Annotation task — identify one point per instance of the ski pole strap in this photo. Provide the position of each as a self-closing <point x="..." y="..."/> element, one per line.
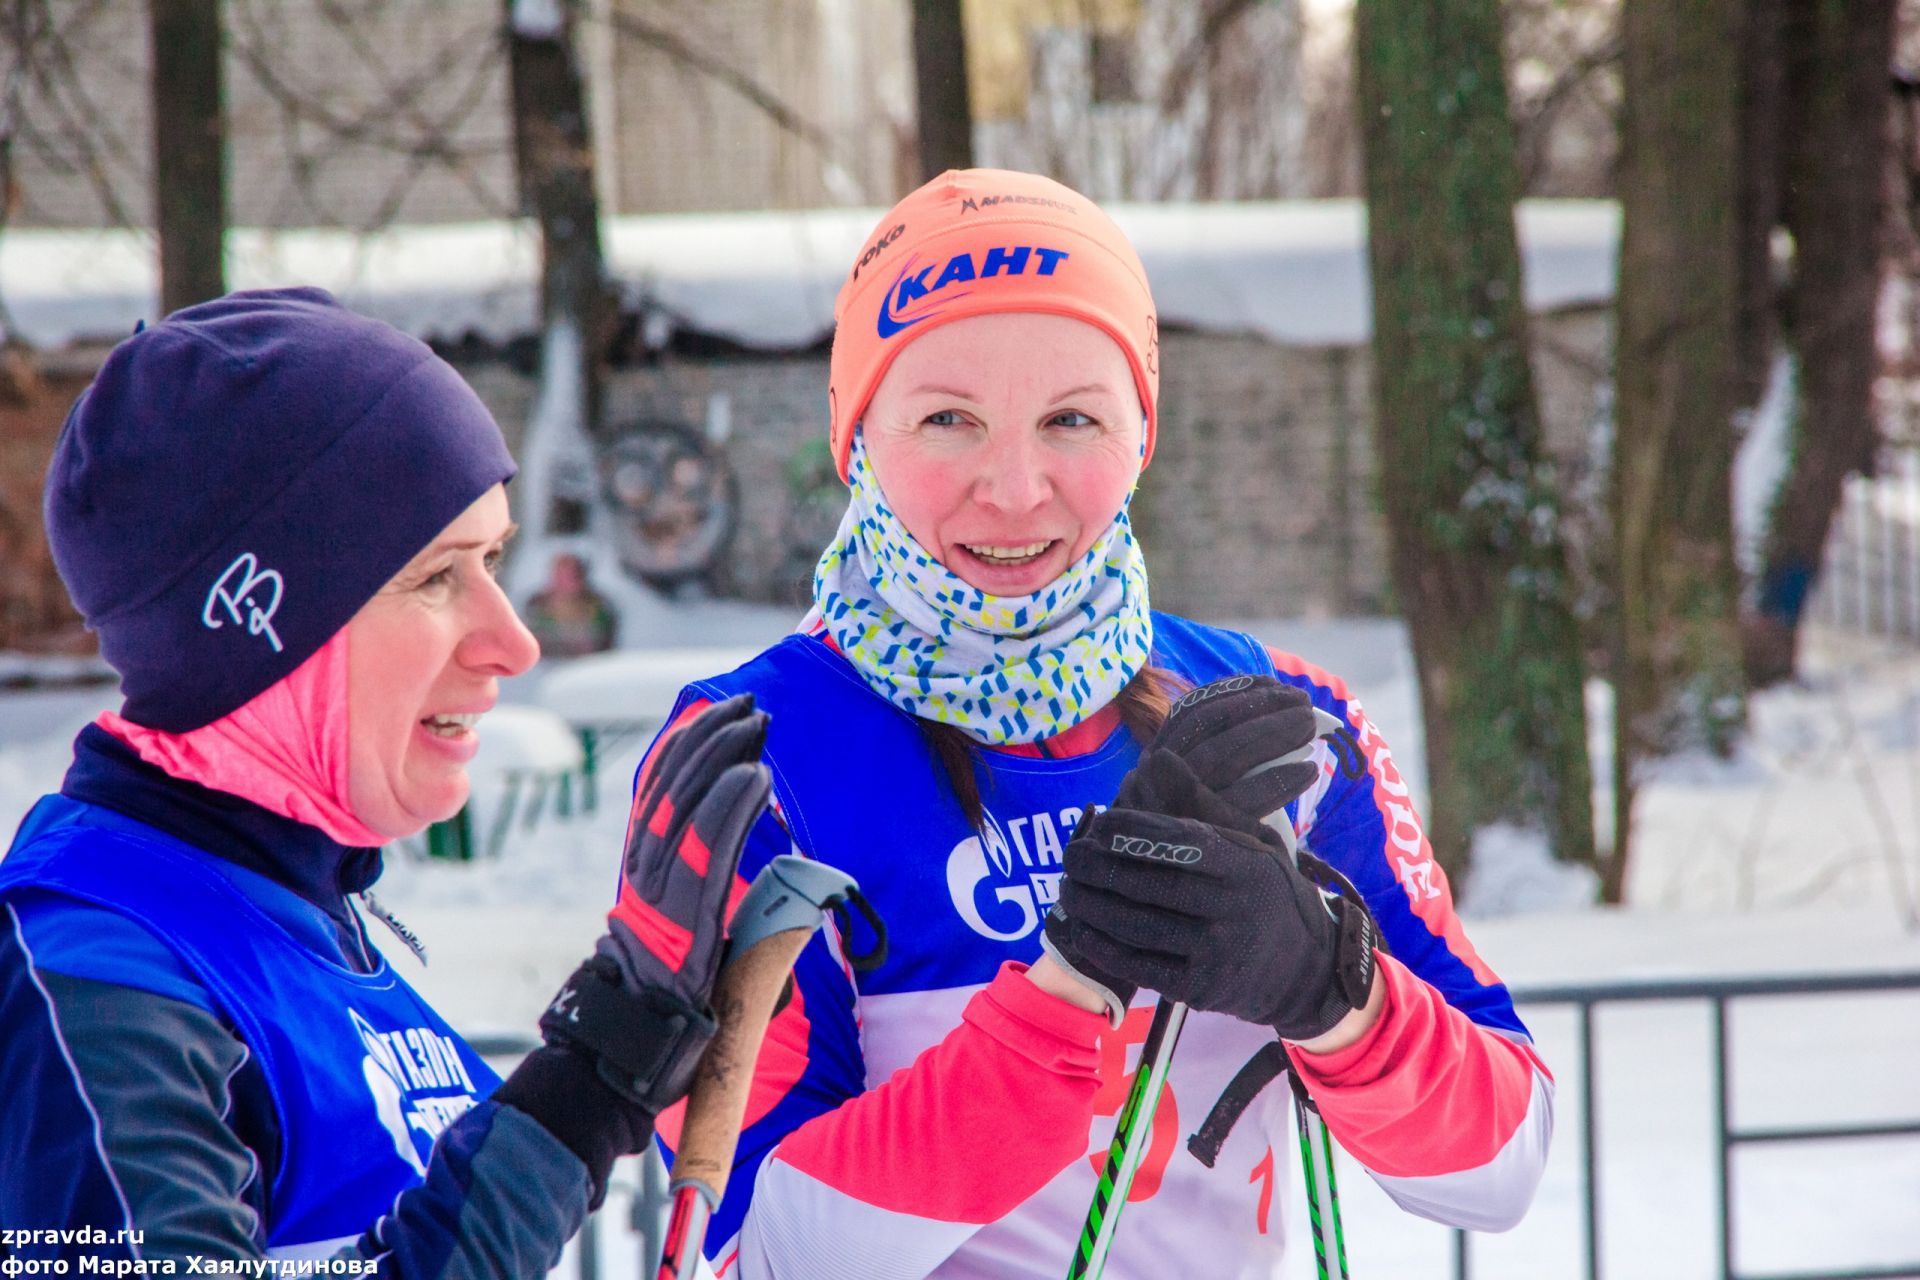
<point x="792" y="893"/>
<point x="789" y="893"/>
<point x="875" y="954"/>
<point x="1247" y="1084"/>
<point x="686" y="1231"/>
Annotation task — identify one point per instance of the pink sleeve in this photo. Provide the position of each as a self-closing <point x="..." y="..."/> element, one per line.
<point x="1450" y="1117"/>
<point x="978" y="1123"/>
<point x="900" y="1176"/>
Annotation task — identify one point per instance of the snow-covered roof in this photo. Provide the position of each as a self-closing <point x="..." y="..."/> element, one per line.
<point x="1293" y="271"/>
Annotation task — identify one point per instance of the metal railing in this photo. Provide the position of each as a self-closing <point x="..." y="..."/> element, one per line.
<point x="646" y="1201"/>
<point x="1869" y="580"/>
<point x="1718" y="992"/>
<point x="1584" y="998"/>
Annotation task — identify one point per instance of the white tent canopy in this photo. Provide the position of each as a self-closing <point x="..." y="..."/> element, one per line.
<point x="1292" y="271"/>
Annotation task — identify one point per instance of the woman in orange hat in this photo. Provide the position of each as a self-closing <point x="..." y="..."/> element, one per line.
<point x="1067" y="804"/>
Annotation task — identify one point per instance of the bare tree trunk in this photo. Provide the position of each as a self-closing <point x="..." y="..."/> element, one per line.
<point x="189" y="151"/>
<point x="1838" y="58"/>
<point x="1677" y="679"/>
<point x="1472" y="511"/>
<point x="553" y="150"/>
<point x="940" y="76"/>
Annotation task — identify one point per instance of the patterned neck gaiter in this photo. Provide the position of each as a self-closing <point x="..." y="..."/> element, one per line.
<point x="1003" y="668"/>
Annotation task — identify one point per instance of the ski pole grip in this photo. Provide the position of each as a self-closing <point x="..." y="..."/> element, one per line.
<point x="1325" y="725"/>
<point x="780" y="911"/>
<point x="743" y="1000"/>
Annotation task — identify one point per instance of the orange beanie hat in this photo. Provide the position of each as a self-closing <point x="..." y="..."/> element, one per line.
<point x="979" y="242"/>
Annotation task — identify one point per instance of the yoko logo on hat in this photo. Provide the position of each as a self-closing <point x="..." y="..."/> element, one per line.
<point x="252" y="586"/>
<point x="910" y="287"/>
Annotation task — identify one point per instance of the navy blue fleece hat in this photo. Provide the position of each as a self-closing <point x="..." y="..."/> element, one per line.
<point x="243" y="476"/>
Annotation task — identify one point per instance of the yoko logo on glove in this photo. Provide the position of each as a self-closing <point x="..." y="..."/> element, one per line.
<point x="1208" y="692"/>
<point x="1159" y="850"/>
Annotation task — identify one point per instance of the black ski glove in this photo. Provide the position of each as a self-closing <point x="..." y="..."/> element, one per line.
<point x="1230" y="734"/>
<point x="1209" y="914"/>
<point x="626" y="1031"/>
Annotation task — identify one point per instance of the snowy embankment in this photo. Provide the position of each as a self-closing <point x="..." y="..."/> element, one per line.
<point x="1293" y="271"/>
<point x="1801" y="856"/>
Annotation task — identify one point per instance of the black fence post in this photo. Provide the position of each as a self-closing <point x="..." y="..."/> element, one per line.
<point x="589" y="1242"/>
<point x="1721" y="1125"/>
<point x="1590" y="1147"/>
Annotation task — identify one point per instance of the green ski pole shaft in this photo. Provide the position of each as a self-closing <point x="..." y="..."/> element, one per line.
<point x="1135" y="1127"/>
<point x="1131" y="1137"/>
<point x="1323" y="1195"/>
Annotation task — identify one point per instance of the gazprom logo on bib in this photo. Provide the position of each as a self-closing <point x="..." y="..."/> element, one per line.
<point x="914" y="294"/>
<point x="1003" y="880"/>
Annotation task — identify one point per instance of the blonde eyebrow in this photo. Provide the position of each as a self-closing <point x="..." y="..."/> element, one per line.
<point x="930" y="389"/>
<point x="1097" y="388"/>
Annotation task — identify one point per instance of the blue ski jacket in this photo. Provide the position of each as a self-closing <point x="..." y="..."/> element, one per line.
<point x="202" y="1056"/>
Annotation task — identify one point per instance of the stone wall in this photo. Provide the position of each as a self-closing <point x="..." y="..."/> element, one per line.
<point x="1260" y="501"/>
<point x="35" y="615"/>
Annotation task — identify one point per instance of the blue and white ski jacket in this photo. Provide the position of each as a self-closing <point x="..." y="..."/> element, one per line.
<point x="943" y="1116"/>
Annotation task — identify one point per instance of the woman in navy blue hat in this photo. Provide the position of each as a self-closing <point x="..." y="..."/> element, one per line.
<point x="283" y="520"/>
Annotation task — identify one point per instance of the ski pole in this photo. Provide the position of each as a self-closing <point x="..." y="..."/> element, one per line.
<point x="1134" y="1131"/>
<point x="1323" y="1196"/>
<point x="780" y="911"/>
<point x="1316" y="1144"/>
<point x="1131" y="1137"/>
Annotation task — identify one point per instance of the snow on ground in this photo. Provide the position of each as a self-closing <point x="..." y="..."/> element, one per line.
<point x="1796" y="1061"/>
<point x="1801" y="856"/>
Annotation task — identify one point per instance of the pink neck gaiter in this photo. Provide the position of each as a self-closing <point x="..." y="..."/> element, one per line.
<point x="286" y="750"/>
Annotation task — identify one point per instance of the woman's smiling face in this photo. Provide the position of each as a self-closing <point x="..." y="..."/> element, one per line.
<point x="424" y="661"/>
<point x="1007" y="444"/>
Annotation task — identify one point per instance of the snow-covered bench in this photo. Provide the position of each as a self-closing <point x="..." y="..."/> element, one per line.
<point x="610" y="698"/>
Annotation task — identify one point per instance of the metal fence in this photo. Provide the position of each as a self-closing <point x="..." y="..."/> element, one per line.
<point x="1870" y="579"/>
<point x="647" y="1200"/>
<point x="1718" y="993"/>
